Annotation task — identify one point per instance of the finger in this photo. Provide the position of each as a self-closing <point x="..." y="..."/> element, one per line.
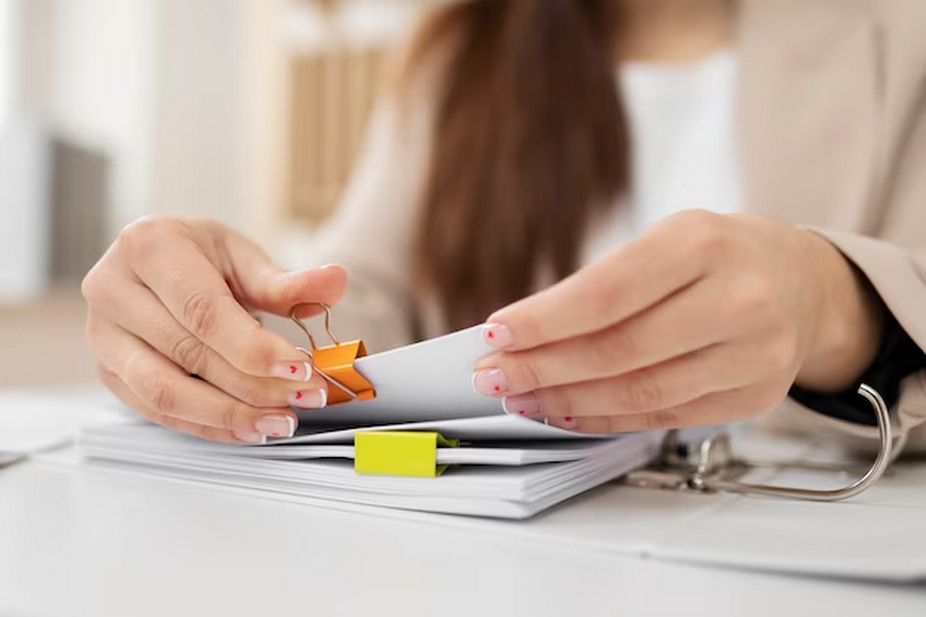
<point x="632" y="278"/>
<point x="678" y="325"/>
<point x="138" y="311"/>
<point x="124" y="394"/>
<point x="717" y="408"/>
<point x="166" y="389"/>
<point x="263" y="285"/>
<point x="194" y="291"/>
<point x="650" y="389"/>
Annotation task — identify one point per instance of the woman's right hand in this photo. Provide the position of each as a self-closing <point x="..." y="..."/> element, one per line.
<point x="171" y="299"/>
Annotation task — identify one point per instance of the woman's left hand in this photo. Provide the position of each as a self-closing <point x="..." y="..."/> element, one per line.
<point x="705" y="319"/>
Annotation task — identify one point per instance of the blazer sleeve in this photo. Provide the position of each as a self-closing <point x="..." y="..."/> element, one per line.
<point x="894" y="261"/>
<point x="371" y="233"/>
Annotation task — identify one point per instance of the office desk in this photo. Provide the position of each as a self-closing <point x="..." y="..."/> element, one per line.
<point x="93" y="541"/>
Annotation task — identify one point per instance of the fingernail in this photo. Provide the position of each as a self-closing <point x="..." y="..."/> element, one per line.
<point x="566" y="422"/>
<point x="276" y="425"/>
<point x="293" y="371"/>
<point x="490" y="382"/>
<point x="527" y="405"/>
<point x="309" y="399"/>
<point x="251" y="437"/>
<point x="497" y="336"/>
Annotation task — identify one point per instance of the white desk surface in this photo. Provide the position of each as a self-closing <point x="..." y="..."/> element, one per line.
<point x="91" y="541"/>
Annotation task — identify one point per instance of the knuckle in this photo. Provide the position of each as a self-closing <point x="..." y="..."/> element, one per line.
<point x="157" y="392"/>
<point x="602" y="300"/>
<point x="90" y="285"/>
<point x="199" y="312"/>
<point x="528" y="373"/>
<point x="639" y="392"/>
<point x="190" y="353"/>
<point x="705" y="233"/>
<point x="755" y="295"/>
<point x="250" y="392"/>
<point x="616" y="347"/>
<point x="661" y="420"/>
<point x="138" y="236"/>
<point x="231" y="413"/>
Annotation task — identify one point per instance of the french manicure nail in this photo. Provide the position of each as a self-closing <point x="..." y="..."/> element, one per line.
<point x="497" y="336"/>
<point x="276" y="425"/>
<point x="490" y="382"/>
<point x="293" y="371"/>
<point x="309" y="399"/>
<point x="527" y="405"/>
<point x="251" y="437"/>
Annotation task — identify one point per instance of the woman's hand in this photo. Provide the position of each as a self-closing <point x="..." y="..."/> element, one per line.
<point x="705" y="319"/>
<point x="171" y="299"/>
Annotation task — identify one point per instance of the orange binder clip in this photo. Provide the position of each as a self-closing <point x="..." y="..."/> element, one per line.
<point x="335" y="363"/>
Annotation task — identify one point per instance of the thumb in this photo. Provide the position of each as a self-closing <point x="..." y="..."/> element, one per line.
<point x="285" y="289"/>
<point x="261" y="284"/>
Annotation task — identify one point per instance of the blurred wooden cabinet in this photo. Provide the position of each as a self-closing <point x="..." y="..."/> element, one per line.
<point x="332" y="93"/>
<point x="337" y="56"/>
<point x="315" y="70"/>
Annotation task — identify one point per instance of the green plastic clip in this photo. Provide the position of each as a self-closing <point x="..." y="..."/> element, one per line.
<point x="400" y="453"/>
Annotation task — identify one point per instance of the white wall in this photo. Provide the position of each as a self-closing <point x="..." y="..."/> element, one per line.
<point x="156" y="85"/>
<point x="200" y="166"/>
<point x="8" y="45"/>
<point x="89" y="72"/>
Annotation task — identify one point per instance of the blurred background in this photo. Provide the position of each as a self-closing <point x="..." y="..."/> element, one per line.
<point x="247" y="111"/>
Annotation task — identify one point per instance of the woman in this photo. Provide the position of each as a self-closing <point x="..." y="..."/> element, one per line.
<point x="550" y="150"/>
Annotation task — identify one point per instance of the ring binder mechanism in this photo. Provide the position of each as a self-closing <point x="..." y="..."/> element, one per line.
<point x="400" y="453"/>
<point x="710" y="466"/>
<point x="335" y="363"/>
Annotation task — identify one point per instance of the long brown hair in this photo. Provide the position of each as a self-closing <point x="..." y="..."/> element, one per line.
<point x="530" y="140"/>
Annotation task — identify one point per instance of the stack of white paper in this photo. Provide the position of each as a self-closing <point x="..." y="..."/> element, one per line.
<point x="509" y="481"/>
<point x="508" y="466"/>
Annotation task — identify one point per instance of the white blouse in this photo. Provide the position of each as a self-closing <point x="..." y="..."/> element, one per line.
<point x="683" y="146"/>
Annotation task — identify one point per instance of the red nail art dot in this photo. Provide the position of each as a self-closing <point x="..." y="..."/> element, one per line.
<point x="521" y="412"/>
<point x="498" y="388"/>
<point x="490" y="334"/>
<point x="292" y="370"/>
<point x="298" y="395"/>
<point x="567" y="419"/>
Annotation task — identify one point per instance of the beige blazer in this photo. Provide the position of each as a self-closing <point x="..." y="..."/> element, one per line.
<point x="833" y="128"/>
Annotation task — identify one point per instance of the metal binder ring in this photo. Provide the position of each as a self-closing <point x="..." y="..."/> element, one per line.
<point x="871" y="476"/>
<point x="709" y="465"/>
<point x="294" y="315"/>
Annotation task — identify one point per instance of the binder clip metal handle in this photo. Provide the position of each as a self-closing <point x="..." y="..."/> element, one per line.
<point x="335" y="363"/>
<point x="710" y="466"/>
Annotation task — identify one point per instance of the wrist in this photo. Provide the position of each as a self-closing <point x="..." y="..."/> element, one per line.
<point x="848" y="324"/>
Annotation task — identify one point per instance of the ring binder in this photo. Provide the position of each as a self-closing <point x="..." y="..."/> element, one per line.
<point x="400" y="453"/>
<point x="335" y="363"/>
<point x="709" y="466"/>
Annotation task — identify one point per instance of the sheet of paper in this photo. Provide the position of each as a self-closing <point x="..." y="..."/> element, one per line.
<point x="490" y="428"/>
<point x="431" y="380"/>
